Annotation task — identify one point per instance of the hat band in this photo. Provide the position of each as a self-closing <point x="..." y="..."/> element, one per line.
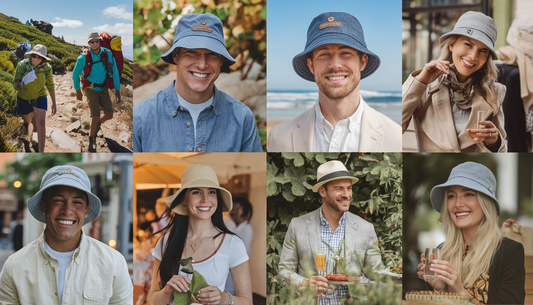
<point x="334" y="175"/>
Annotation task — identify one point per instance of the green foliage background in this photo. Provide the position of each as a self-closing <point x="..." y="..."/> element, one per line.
<point x="377" y="197"/>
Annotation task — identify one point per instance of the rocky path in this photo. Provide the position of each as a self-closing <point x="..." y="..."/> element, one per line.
<point x="68" y="129"/>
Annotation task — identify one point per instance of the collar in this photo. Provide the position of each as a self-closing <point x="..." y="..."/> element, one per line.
<point x="78" y="252"/>
<point x="353" y="121"/>
<point x="325" y="222"/>
<point x="173" y="103"/>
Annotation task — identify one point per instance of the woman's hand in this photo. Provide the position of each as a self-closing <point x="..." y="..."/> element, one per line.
<point x="54" y="108"/>
<point x="212" y="296"/>
<point x="177" y="283"/>
<point x="432" y="70"/>
<point x="420" y="271"/>
<point x="448" y="274"/>
<point x="489" y="133"/>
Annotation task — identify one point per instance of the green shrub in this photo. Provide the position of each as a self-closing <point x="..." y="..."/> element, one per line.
<point x="6" y="76"/>
<point x="59" y="52"/>
<point x="8" y="97"/>
<point x="58" y="65"/>
<point x="70" y="59"/>
<point x="6" y="64"/>
<point x="71" y="66"/>
<point x="6" y="44"/>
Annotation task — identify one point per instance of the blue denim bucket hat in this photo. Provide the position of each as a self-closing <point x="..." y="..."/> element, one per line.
<point x="471" y="175"/>
<point x="199" y="31"/>
<point x="334" y="28"/>
<point x="70" y="176"/>
<point x="477" y="26"/>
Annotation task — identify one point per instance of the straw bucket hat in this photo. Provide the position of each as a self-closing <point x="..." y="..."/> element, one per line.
<point x="199" y="175"/>
<point x="332" y="170"/>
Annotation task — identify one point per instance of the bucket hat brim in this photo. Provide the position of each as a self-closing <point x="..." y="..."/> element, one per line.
<point x="299" y="62"/>
<point x="198" y="42"/>
<point x="95" y="205"/>
<point x="438" y="192"/>
<point x="28" y="54"/>
<point x="181" y="209"/>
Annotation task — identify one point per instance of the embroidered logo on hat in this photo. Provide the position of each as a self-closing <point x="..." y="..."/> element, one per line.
<point x="202" y="27"/>
<point x="331" y="22"/>
<point x="469" y="31"/>
<point x="68" y="171"/>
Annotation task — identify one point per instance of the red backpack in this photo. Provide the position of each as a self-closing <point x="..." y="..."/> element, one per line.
<point x="110" y="42"/>
<point x="114" y="44"/>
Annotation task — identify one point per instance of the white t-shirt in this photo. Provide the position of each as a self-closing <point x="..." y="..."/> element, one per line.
<point x="245" y="232"/>
<point x="194" y="110"/>
<point x="63" y="258"/>
<point x="215" y="269"/>
<point x="344" y="137"/>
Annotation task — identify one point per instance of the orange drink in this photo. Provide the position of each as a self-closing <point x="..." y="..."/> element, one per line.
<point x="320" y="261"/>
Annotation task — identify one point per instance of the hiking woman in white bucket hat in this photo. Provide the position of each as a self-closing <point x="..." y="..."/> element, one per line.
<point x="446" y="97"/>
<point x="476" y="260"/>
<point x="33" y="77"/>
<point x="196" y="229"/>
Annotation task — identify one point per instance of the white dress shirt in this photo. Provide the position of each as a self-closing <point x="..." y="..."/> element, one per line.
<point x="343" y="138"/>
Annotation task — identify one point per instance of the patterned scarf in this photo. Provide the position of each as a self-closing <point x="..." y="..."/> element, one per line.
<point x="479" y="292"/>
<point x="460" y="93"/>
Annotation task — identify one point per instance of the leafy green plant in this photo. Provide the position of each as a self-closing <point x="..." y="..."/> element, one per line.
<point x="57" y="65"/>
<point x="377" y="197"/>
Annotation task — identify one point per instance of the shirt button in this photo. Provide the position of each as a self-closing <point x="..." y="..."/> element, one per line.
<point x="174" y="112"/>
<point x="190" y="148"/>
<point x="188" y="123"/>
<point x="199" y="149"/>
<point x="181" y="108"/>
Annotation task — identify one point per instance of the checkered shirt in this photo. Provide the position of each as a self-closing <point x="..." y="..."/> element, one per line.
<point x="334" y="239"/>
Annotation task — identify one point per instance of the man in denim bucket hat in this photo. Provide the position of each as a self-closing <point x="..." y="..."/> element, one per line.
<point x="336" y="58"/>
<point x="191" y="114"/>
<point x="64" y="266"/>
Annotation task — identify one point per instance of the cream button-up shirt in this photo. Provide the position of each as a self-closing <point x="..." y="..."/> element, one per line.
<point x="344" y="137"/>
<point x="96" y="275"/>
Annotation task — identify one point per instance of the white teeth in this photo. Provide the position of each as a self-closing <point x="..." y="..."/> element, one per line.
<point x="199" y="75"/>
<point x="204" y="209"/>
<point x="462" y="214"/>
<point x="468" y="64"/>
<point x="65" y="222"/>
<point x="336" y="77"/>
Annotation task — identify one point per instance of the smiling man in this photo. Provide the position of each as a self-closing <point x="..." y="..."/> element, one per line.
<point x="64" y="266"/>
<point x="346" y="233"/>
<point x="191" y="114"/>
<point x="336" y="59"/>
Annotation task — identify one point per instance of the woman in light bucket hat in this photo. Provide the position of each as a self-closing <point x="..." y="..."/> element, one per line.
<point x="475" y="259"/>
<point x="196" y="229"/>
<point x="454" y="101"/>
<point x="33" y="77"/>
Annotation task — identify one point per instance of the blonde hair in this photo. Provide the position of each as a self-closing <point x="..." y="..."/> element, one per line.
<point x="484" y="78"/>
<point x="484" y="244"/>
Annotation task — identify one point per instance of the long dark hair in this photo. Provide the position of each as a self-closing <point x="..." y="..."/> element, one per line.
<point x="178" y="226"/>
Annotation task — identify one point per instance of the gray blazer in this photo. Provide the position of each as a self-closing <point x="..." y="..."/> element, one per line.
<point x="302" y="241"/>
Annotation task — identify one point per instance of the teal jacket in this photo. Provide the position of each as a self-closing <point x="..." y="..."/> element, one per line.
<point x="36" y="88"/>
<point x="98" y="71"/>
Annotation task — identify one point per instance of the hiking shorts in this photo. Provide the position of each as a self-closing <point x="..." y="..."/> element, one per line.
<point x="98" y="99"/>
<point x="26" y="107"/>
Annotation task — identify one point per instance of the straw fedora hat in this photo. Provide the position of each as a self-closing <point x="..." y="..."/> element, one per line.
<point x="332" y="170"/>
<point x="199" y="175"/>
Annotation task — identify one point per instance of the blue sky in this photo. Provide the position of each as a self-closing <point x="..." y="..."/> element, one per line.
<point x="75" y="19"/>
<point x="287" y="23"/>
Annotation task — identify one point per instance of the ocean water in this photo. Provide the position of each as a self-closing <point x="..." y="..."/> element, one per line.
<point x="284" y="104"/>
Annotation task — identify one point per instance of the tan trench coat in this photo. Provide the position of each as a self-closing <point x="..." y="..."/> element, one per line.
<point x="429" y="106"/>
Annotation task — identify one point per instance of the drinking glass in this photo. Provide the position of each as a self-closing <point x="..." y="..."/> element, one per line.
<point x="320" y="261"/>
<point x="431" y="255"/>
<point x="480" y="118"/>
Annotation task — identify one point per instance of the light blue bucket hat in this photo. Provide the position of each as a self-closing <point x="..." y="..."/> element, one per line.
<point x="334" y="28"/>
<point x="67" y="175"/>
<point x="477" y="26"/>
<point x="471" y="175"/>
<point x="199" y="31"/>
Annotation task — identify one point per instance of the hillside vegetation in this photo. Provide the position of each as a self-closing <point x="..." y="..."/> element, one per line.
<point x="63" y="54"/>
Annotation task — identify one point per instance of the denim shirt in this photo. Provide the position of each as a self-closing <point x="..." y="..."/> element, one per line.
<point x="161" y="124"/>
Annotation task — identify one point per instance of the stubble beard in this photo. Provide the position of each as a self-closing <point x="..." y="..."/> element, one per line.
<point x="333" y="204"/>
<point x="336" y="92"/>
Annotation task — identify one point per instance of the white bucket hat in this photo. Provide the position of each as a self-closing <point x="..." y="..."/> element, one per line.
<point x="332" y="170"/>
<point x="67" y="175"/>
<point x="38" y="50"/>
<point x="199" y="175"/>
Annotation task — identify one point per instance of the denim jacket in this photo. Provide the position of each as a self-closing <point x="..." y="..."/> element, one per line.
<point x="161" y="124"/>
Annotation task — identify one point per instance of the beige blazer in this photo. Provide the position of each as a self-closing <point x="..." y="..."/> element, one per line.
<point x="429" y="107"/>
<point x="378" y="133"/>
